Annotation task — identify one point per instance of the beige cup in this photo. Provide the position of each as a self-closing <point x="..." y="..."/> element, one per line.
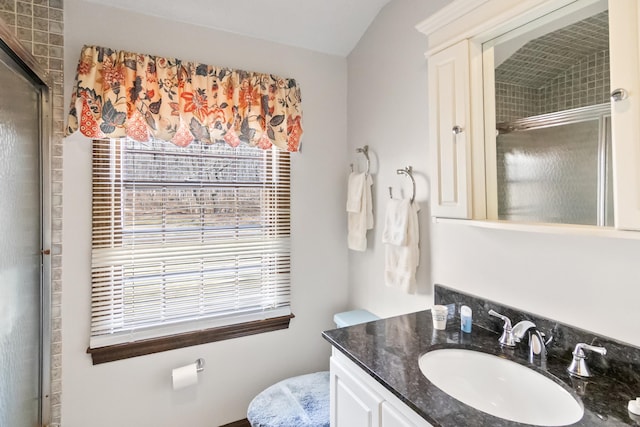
<point x="439" y="315"/>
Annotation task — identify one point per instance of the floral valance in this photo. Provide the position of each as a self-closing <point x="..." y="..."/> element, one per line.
<point x="121" y="94"/>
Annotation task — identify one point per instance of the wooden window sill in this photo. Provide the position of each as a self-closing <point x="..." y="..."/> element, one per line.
<point x="156" y="345"/>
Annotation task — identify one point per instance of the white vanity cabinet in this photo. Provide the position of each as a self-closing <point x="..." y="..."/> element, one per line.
<point x="457" y="110"/>
<point x="357" y="400"/>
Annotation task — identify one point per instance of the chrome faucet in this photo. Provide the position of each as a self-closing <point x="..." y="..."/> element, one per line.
<point x="512" y="334"/>
<point x="578" y="365"/>
<point x="538" y="346"/>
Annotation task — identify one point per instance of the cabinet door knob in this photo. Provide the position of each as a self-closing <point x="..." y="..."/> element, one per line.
<point x="619" y="95"/>
<point x="457" y="130"/>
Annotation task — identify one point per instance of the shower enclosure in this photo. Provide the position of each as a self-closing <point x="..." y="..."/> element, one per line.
<point x="24" y="264"/>
<point x="556" y="168"/>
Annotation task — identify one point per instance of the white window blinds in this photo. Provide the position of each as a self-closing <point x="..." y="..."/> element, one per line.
<point x="187" y="238"/>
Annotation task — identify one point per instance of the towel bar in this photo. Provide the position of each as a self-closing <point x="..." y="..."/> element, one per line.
<point x="408" y="171"/>
<point x="364" y="150"/>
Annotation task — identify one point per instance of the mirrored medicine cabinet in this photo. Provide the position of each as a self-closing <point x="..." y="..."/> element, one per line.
<point x="532" y="112"/>
<point x="548" y="114"/>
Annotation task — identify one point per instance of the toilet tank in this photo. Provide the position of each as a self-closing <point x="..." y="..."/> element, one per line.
<point x="353" y="317"/>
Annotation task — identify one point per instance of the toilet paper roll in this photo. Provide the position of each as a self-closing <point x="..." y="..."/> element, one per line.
<point x="184" y="376"/>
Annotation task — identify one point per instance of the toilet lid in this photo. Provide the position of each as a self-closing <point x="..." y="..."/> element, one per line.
<point x="353" y="317"/>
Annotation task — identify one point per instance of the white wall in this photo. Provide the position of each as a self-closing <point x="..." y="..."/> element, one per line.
<point x="137" y="392"/>
<point x="387" y="109"/>
<point x="587" y="281"/>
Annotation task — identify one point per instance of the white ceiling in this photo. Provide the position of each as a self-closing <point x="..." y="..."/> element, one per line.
<point x="329" y="26"/>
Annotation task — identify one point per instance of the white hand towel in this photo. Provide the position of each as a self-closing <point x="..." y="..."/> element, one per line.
<point x="396" y="222"/>
<point x="359" y="222"/>
<point x="401" y="261"/>
<point x="369" y="202"/>
<point x="355" y="188"/>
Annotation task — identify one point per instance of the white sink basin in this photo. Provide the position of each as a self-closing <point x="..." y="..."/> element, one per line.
<point x="500" y="387"/>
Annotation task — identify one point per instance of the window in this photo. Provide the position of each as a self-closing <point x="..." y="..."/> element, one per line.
<point x="190" y="245"/>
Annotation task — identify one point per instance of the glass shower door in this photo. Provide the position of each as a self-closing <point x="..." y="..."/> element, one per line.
<point x="556" y="168"/>
<point x="20" y="245"/>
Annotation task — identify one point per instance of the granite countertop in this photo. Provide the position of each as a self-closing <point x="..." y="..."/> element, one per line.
<point x="389" y="349"/>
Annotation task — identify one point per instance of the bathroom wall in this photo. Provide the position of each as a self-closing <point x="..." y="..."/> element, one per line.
<point x="387" y="110"/>
<point x="137" y="392"/>
<point x="589" y="281"/>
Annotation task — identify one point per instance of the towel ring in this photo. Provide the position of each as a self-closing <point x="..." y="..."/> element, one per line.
<point x="364" y="150"/>
<point x="408" y="171"/>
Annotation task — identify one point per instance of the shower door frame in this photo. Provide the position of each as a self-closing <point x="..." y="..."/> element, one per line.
<point x="26" y="63"/>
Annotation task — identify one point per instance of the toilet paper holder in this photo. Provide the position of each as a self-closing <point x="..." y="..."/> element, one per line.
<point x="186" y="376"/>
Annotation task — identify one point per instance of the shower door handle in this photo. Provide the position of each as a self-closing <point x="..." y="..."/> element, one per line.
<point x="619" y="95"/>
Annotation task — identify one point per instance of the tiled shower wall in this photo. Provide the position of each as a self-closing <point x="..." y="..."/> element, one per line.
<point x="515" y="101"/>
<point x="39" y="25"/>
<point x="586" y="83"/>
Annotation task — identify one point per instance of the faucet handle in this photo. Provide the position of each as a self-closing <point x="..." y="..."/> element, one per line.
<point x="578" y="365"/>
<point x="580" y="347"/>
<point x="507" y="321"/>
<point x="507" y="338"/>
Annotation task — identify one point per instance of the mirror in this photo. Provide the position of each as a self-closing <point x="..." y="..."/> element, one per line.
<point x="548" y="141"/>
